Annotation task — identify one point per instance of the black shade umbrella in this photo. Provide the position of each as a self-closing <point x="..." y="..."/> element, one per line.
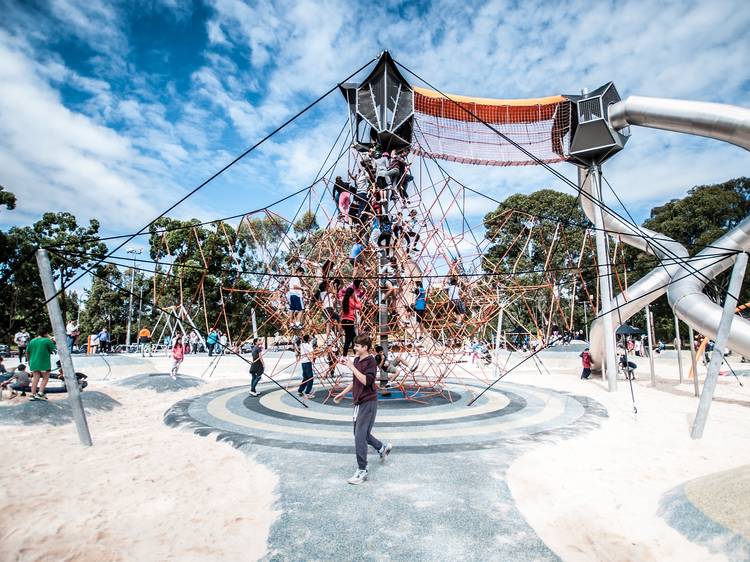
<point x="627" y="330"/>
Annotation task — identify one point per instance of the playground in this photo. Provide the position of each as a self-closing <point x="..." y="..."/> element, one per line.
<point x="225" y="430"/>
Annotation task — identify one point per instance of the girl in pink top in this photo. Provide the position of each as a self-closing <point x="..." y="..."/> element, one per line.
<point x="178" y="354"/>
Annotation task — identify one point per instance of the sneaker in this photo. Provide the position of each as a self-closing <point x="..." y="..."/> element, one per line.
<point x="254" y="393"/>
<point x="300" y="394"/>
<point x="41" y="396"/>
<point x="359" y="477"/>
<point x="33" y="397"/>
<point x="174" y="377"/>
<point x="385" y="451"/>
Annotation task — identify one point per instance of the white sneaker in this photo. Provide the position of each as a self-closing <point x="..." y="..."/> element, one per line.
<point x="254" y="393"/>
<point x="359" y="477"/>
<point x="385" y="451"/>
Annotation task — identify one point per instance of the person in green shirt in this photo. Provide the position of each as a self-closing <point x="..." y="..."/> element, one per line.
<point x="40" y="364"/>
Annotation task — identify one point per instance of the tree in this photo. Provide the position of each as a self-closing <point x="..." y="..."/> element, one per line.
<point x="106" y="305"/>
<point x="696" y="220"/>
<point x="7" y="198"/>
<point x="19" y="276"/>
<point x="536" y="246"/>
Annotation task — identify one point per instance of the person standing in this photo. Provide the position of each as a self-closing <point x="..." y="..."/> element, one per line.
<point x="40" y="364"/>
<point x="144" y="341"/>
<point x="350" y="304"/>
<point x="21" y="339"/>
<point x="295" y="296"/>
<point x="104" y="341"/>
<point x="257" y="367"/>
<point x="178" y="356"/>
<point x="71" y="333"/>
<point x="307" y="356"/>
<point x="365" y="399"/>
<point x="211" y="340"/>
<point x="586" y="363"/>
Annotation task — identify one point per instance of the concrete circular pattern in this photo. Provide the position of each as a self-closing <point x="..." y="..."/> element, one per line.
<point x="508" y="411"/>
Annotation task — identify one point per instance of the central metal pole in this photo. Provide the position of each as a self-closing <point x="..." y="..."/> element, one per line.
<point x="66" y="361"/>
<point x="382" y="305"/>
<point x="722" y="335"/>
<point x="605" y="288"/>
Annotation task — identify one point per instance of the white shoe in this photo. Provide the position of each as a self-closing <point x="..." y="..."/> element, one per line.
<point x="174" y="377"/>
<point x="254" y="393"/>
<point x="385" y="451"/>
<point x="359" y="477"/>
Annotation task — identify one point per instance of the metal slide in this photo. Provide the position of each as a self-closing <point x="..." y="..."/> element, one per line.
<point x="683" y="282"/>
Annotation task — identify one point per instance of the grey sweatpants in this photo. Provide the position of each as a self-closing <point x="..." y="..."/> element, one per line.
<point x="364" y="418"/>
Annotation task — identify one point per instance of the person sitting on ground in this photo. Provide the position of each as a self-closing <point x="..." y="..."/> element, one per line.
<point x="454" y="294"/>
<point x="21" y="378"/>
<point x="40" y="349"/>
<point x="307" y="356"/>
<point x="178" y="355"/>
<point x="257" y="367"/>
<point x="296" y="295"/>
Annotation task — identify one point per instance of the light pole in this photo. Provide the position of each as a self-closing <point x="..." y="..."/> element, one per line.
<point x="135" y="252"/>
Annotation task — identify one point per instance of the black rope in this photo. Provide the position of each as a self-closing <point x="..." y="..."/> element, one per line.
<point x="221" y="171"/>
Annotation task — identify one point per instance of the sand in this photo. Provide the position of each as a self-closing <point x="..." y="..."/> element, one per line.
<point x="596" y="497"/>
<point x="143" y="492"/>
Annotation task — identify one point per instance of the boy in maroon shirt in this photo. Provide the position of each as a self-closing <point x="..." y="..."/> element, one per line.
<point x="365" y="397"/>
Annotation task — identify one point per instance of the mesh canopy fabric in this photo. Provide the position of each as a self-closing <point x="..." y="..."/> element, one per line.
<point x="443" y="128"/>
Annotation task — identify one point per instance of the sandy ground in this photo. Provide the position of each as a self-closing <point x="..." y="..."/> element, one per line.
<point x="142" y="492"/>
<point x="595" y="497"/>
<point x="149" y="492"/>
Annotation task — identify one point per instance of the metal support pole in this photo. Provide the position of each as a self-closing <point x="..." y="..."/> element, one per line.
<point x="66" y="361"/>
<point x="585" y="320"/>
<point x="650" y="332"/>
<point x="678" y="345"/>
<point x="255" y="324"/>
<point x="497" y="337"/>
<point x="717" y="357"/>
<point x="605" y="288"/>
<point x="382" y="305"/>
<point x="694" y="360"/>
<point x="135" y="252"/>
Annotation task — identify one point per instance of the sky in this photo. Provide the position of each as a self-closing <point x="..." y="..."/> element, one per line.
<point x="116" y="110"/>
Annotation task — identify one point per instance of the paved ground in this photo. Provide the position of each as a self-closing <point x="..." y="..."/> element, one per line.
<point x="442" y="495"/>
<point x="714" y="511"/>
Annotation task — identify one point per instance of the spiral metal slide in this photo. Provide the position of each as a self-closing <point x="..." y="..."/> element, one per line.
<point x="681" y="277"/>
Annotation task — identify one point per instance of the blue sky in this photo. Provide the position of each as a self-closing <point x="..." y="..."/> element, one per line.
<point x="115" y="110"/>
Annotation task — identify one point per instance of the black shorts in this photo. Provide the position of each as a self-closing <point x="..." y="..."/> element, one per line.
<point x="458" y="306"/>
<point x="420" y="315"/>
<point x="331" y="315"/>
